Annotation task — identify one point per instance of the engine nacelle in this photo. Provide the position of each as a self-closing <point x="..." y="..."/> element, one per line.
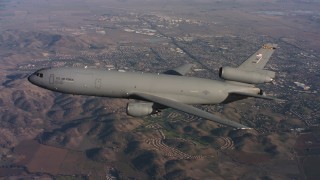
<point x="140" y="109"/>
<point x="245" y="76"/>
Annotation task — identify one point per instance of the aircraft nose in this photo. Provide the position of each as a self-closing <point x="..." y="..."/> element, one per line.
<point x="31" y="78"/>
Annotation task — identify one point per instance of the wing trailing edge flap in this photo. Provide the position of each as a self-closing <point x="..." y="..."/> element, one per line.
<point x="256" y="96"/>
<point x="179" y="71"/>
<point x="190" y="109"/>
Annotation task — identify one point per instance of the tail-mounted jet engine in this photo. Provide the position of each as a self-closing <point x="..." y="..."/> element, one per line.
<point x="246" y="76"/>
<point x="140" y="109"/>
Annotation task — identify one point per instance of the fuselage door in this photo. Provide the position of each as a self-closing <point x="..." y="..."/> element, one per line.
<point x="98" y="83"/>
<point x="51" y="79"/>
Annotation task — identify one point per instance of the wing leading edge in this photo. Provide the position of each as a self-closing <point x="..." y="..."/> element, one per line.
<point x="190" y="109"/>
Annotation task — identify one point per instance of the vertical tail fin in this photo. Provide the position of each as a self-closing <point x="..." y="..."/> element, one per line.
<point x="251" y="71"/>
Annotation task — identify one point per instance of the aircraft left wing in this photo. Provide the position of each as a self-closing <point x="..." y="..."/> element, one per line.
<point x="179" y="71"/>
<point x="189" y="109"/>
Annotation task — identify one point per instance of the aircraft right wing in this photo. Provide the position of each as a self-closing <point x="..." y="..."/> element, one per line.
<point x="259" y="59"/>
<point x="189" y="109"/>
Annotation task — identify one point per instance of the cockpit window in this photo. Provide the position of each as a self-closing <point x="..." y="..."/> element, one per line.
<point x="40" y="75"/>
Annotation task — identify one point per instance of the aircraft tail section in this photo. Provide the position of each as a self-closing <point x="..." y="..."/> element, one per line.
<point x="251" y="71"/>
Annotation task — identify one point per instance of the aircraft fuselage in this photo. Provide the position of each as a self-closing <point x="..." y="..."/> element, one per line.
<point x="109" y="83"/>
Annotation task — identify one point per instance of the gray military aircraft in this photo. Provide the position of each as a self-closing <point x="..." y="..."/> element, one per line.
<point x="170" y="89"/>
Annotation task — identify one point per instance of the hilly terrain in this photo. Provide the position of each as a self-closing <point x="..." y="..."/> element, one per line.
<point x="44" y="134"/>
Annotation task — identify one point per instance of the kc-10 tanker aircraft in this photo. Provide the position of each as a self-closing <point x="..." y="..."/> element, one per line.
<point x="170" y="89"/>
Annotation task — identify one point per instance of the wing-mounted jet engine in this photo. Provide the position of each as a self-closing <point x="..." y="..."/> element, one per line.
<point x="138" y="109"/>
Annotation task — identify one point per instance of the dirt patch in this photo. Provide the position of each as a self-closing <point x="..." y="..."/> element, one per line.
<point x="311" y="167"/>
<point x="249" y="158"/>
<point x="307" y="144"/>
<point x="26" y="150"/>
<point x="47" y="159"/>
